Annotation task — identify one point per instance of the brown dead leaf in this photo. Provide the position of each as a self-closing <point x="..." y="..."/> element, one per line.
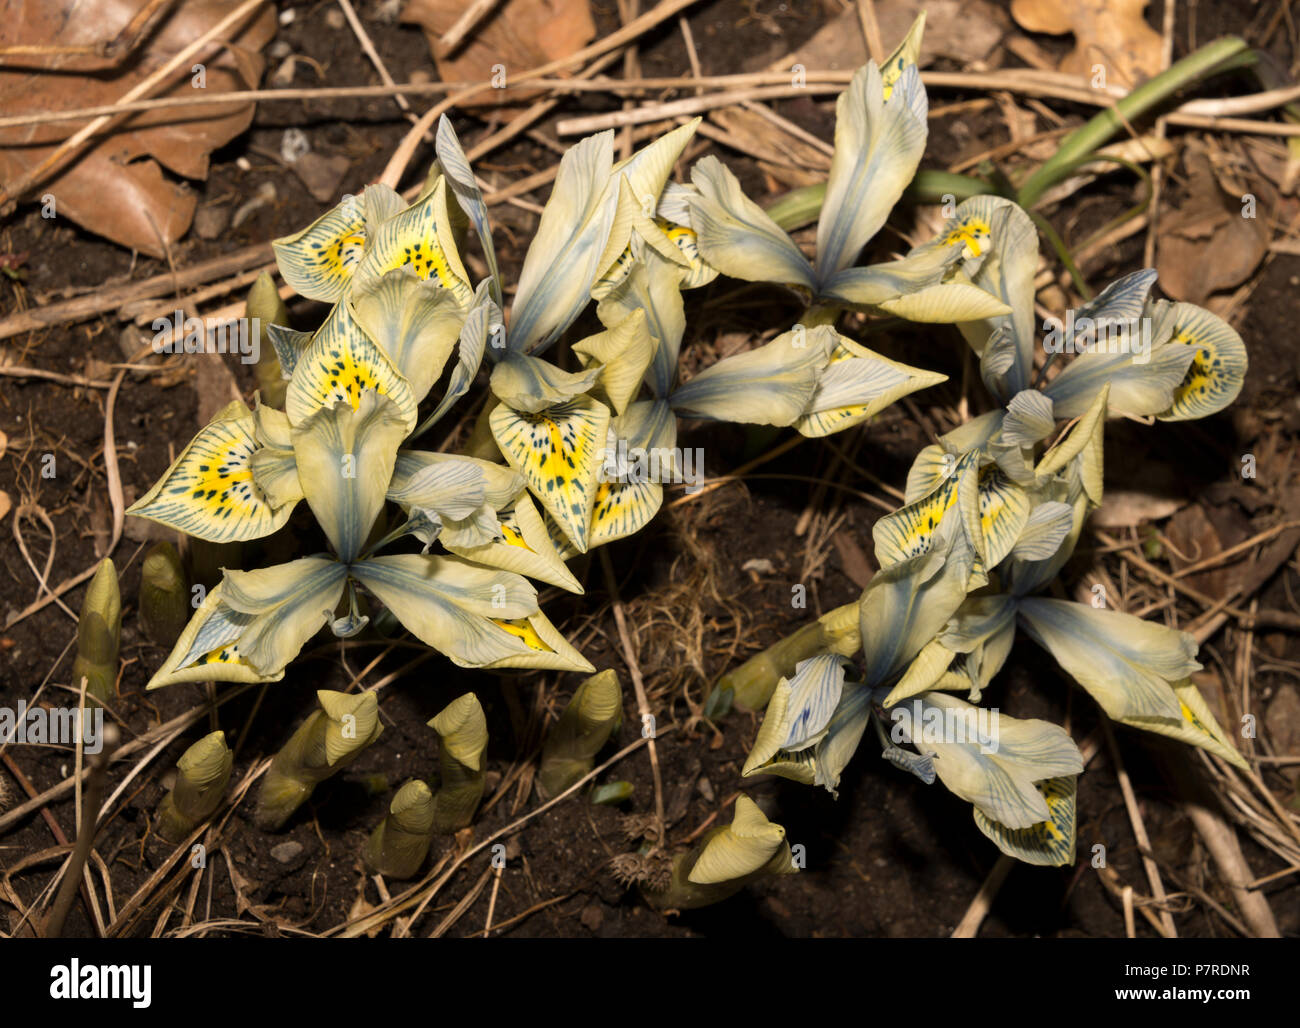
<point x="1207" y="245"/>
<point x="1282" y="721"/>
<point x="965" y="31"/>
<point x="517" y="35"/>
<point x="1128" y="508"/>
<point x="5" y="504"/>
<point x="1109" y="33"/>
<point x="215" y="385"/>
<point x="1192" y="539"/>
<point x="853" y="561"/>
<point x="117" y="188"/>
<point x="789" y="160"/>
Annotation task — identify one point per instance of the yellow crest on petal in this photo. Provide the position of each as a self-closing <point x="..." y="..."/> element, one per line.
<point x="341" y="363"/>
<point x="559" y="452"/>
<point x="209" y="492"/>
<point x="1048" y="843"/>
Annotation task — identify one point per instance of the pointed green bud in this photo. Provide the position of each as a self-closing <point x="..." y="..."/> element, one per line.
<point x="754" y="681"/>
<point x="398" y="846"/>
<point x="462" y="727"/>
<point x="328" y="741"/>
<point x="99" y="633"/>
<point x="592" y="716"/>
<point x="202" y="774"/>
<point x="164" y="595"/>
<point x="725" y="860"/>
<point x="265" y="306"/>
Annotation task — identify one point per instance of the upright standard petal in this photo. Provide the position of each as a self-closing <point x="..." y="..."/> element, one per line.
<point x="878" y="144"/>
<point x="736" y="236"/>
<point x="563" y="260"/>
<point x="345" y="462"/>
<point x="414" y="322"/>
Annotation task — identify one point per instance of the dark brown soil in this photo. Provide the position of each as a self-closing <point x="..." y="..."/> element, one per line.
<point x="890" y="857"/>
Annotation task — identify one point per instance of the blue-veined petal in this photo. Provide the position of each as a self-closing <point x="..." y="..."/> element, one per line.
<point x="564" y="258"/>
<point x="1004" y="511"/>
<point x="987" y="758"/>
<point x="1008" y="273"/>
<point x="464" y="186"/>
<point x="641" y="180"/>
<point x="814" y="694"/>
<point x="857" y="384"/>
<point x="878" y="145"/>
<point x="289" y="604"/>
<point x="907" y="53"/>
<point x="843" y="734"/>
<point x="289" y="345"/>
<point x="320" y="260"/>
<point x="905" y="605"/>
<point x="207" y="649"/>
<point x="1126" y="664"/>
<point x="420" y="236"/>
<point x="1218" y="370"/>
<point x="483" y="323"/>
<point x="524" y="547"/>
<point x="908" y="531"/>
<point x="1045" y="529"/>
<point x="547" y="649"/>
<point x="737" y="236"/>
<point x="450" y="604"/>
<point x="770" y="385"/>
<point x="417" y="472"/>
<point x="1196" y="727"/>
<point x="640" y="457"/>
<point x="1049" y="843"/>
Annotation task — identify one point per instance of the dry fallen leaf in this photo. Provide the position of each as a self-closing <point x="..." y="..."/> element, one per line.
<point x="853" y="562"/>
<point x="215" y="385"/>
<point x="516" y="36"/>
<point x="789" y="160"/>
<point x="960" y="30"/>
<point x="1109" y="33"/>
<point x="1192" y="539"/>
<point x="1207" y="245"/>
<point x="5" y="504"/>
<point x="117" y="188"/>
<point x="1127" y="508"/>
